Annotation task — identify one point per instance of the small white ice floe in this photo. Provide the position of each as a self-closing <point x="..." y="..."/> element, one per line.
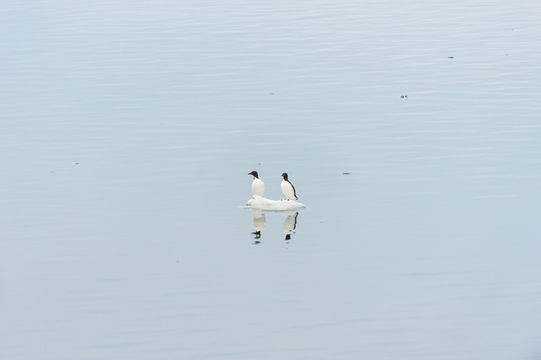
<point x="259" y="202"/>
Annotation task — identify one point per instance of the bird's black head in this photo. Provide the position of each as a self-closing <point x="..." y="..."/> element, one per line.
<point x="254" y="173"/>
<point x="284" y="175"/>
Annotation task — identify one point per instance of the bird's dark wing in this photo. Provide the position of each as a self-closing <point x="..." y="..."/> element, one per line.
<point x="294" y="192"/>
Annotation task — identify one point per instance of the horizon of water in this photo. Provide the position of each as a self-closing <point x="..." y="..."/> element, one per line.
<point x="411" y="131"/>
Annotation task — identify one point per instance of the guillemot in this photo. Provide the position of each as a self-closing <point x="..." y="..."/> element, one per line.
<point x="258" y="187"/>
<point x="288" y="189"/>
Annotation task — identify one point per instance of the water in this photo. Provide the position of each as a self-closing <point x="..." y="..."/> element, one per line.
<point x="128" y="130"/>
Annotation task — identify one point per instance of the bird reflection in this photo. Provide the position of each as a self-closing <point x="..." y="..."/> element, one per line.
<point x="290" y="223"/>
<point x="259" y="224"/>
<point x="288" y="226"/>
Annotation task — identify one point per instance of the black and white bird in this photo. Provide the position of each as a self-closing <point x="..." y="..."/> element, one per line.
<point x="258" y="187"/>
<point x="288" y="189"/>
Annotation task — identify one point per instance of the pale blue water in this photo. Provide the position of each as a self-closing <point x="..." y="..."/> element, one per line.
<point x="127" y="130"/>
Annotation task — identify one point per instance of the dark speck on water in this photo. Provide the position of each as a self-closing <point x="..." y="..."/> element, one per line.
<point x="346" y="173"/>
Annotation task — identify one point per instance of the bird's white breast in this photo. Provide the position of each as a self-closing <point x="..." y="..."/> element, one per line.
<point x="258" y="187"/>
<point x="287" y="189"/>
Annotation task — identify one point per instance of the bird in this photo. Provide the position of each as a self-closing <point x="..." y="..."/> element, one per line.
<point x="288" y="189"/>
<point x="258" y="187"/>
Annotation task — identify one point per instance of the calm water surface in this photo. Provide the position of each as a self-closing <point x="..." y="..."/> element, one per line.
<point x="127" y="130"/>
